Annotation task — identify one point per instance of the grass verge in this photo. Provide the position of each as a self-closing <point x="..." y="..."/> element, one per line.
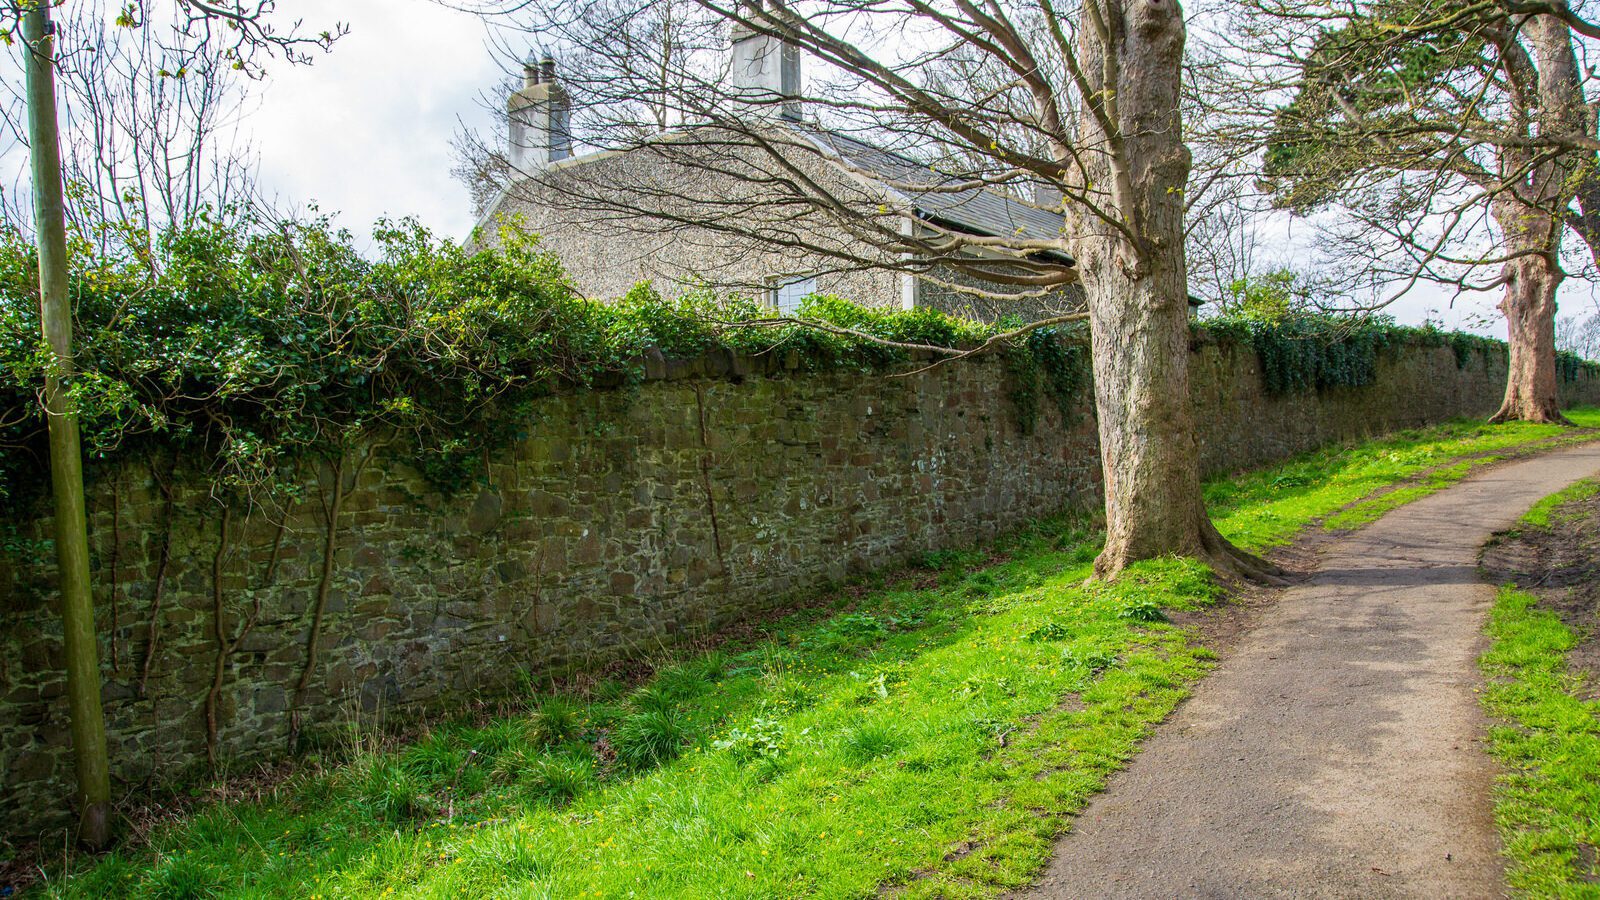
<point x="1344" y="486"/>
<point x="928" y="735"/>
<point x="1546" y="512"/>
<point x="1547" y="801"/>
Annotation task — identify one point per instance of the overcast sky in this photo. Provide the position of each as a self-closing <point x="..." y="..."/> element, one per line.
<point x="366" y="131"/>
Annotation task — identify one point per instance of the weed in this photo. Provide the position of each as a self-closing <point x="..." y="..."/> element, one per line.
<point x="556" y="721"/>
<point x="439" y="755"/>
<point x="647" y="739"/>
<point x="654" y="698"/>
<point x="557" y="780"/>
<point x="683" y="682"/>
<point x="181" y="877"/>
<point x="984" y="685"/>
<point x="713" y="665"/>
<point x="868" y="742"/>
<point x="1141" y="611"/>
<point x="389" y="792"/>
<point x="847" y="633"/>
<point x="1049" y="631"/>
<point x="498" y="737"/>
<point x="1087" y="660"/>
<point x="763" y="738"/>
<point x="506" y="855"/>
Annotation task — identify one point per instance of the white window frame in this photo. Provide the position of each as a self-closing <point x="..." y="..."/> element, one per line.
<point x="793" y="288"/>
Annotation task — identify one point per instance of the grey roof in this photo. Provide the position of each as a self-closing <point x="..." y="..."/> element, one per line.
<point x="976" y="210"/>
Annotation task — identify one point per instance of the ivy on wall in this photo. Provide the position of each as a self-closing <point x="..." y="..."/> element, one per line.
<point x="1305" y="352"/>
<point x="250" y="352"/>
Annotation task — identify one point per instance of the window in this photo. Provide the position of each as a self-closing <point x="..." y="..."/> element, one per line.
<point x="787" y="294"/>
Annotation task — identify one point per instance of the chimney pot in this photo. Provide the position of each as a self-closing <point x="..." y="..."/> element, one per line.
<point x="547" y="69"/>
<point x="530" y="70"/>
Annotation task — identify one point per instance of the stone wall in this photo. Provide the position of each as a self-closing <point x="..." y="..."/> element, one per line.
<point x="626" y="519"/>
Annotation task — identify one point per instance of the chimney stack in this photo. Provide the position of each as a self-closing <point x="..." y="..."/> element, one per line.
<point x="541" y="117"/>
<point x="764" y="70"/>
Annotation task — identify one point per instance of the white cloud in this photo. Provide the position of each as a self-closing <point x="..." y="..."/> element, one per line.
<point x="365" y="131"/>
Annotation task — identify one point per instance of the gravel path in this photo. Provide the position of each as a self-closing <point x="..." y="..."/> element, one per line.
<point x="1336" y="750"/>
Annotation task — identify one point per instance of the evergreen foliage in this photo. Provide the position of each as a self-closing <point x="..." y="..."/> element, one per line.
<point x="250" y="352"/>
<point x="1310" y="352"/>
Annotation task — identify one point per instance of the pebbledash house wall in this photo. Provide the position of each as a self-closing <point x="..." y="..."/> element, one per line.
<point x="627" y="520"/>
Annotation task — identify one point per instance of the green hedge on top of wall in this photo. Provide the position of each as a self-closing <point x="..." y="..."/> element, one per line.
<point x="249" y="352"/>
<point x="1304" y="352"/>
<point x="252" y="351"/>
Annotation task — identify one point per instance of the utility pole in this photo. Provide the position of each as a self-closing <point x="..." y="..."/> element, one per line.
<point x="66" y="454"/>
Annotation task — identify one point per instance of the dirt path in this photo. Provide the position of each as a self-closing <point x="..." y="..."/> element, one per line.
<point x="1335" y="752"/>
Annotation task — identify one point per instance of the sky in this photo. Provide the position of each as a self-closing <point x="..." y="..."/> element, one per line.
<point x="365" y="132"/>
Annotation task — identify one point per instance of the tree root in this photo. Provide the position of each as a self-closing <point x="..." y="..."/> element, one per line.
<point x="1228" y="561"/>
<point x="1511" y="412"/>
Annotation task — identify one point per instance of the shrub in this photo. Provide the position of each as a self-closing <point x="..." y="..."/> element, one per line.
<point x="250" y="348"/>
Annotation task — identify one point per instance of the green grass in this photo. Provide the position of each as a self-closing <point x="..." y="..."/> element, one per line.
<point x="1547" y="802"/>
<point x="1546" y="511"/>
<point x="930" y="732"/>
<point x="1264" y="509"/>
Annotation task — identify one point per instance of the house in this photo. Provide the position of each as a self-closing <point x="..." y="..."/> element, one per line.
<point x="773" y="205"/>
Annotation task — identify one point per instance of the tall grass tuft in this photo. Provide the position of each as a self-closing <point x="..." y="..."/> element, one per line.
<point x="649" y="738"/>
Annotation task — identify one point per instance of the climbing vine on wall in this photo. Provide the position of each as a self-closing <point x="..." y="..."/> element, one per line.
<point x="1054" y="359"/>
<point x="1303" y="352"/>
<point x="247" y="351"/>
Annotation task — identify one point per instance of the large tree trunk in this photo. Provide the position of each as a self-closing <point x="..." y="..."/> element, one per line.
<point x="1135" y="278"/>
<point x="1529" y="306"/>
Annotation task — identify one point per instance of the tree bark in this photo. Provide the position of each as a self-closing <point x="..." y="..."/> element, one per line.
<point x="1529" y="306"/>
<point x="1135" y="278"/>
<point x="1527" y="217"/>
<point x="80" y="642"/>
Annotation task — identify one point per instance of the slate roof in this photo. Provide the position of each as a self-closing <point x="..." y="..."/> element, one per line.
<point x="976" y="210"/>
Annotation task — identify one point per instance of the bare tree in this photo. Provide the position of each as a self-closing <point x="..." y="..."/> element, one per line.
<point x="149" y="132"/>
<point x="1442" y="134"/>
<point x="1580" y="335"/>
<point x="1069" y="107"/>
